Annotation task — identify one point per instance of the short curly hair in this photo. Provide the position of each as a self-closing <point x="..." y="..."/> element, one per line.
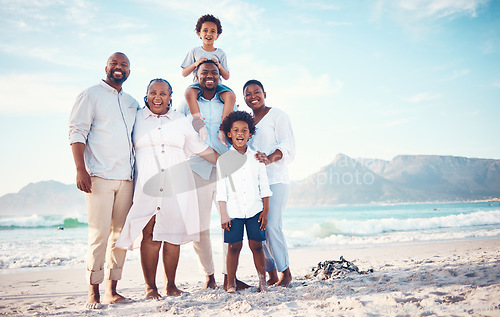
<point x="208" y="18"/>
<point x="231" y="118"/>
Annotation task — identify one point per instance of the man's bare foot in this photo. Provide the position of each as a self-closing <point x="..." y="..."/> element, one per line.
<point x="211" y="282"/>
<point x="273" y="277"/>
<point x="94" y="298"/>
<point x="239" y="284"/>
<point x="151" y="293"/>
<point x="286" y="278"/>
<point x="172" y="290"/>
<point x="93" y="302"/>
<point x="115" y="299"/>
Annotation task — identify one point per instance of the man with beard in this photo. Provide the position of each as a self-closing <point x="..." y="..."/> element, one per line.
<point x="205" y="176"/>
<point x="100" y="129"/>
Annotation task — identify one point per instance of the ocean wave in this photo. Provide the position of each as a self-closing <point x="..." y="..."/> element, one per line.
<point x="39" y="221"/>
<point x="377" y="226"/>
<point x="301" y="239"/>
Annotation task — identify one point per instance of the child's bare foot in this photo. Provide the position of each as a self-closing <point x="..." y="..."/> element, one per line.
<point x="262" y="283"/>
<point x="286" y="278"/>
<point x="273" y="277"/>
<point x="231" y="289"/>
<point x="211" y="282"/>
<point x="172" y="290"/>
<point x="151" y="293"/>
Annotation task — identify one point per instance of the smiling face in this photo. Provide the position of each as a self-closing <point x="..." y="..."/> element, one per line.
<point x="117" y="69"/>
<point x="208" y="76"/>
<point x="239" y="135"/>
<point x="254" y="97"/>
<point x="208" y="33"/>
<point x="158" y="97"/>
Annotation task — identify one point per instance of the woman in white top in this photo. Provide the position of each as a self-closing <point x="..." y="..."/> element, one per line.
<point x="165" y="205"/>
<point x="275" y="146"/>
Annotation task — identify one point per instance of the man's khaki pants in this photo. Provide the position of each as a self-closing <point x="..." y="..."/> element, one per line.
<point x="107" y="207"/>
<point x="205" y="190"/>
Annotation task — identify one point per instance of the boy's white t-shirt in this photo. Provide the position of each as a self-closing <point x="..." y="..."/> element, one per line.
<point x="250" y="184"/>
<point x="198" y="52"/>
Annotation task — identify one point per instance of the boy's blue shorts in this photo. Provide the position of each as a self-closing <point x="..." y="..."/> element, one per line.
<point x="235" y="234"/>
<point x="220" y="89"/>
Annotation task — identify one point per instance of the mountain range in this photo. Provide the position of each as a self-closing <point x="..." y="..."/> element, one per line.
<point x="404" y="179"/>
<point x="43" y="198"/>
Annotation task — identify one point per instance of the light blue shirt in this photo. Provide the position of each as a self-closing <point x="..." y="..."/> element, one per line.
<point x="211" y="110"/>
<point x="102" y="119"/>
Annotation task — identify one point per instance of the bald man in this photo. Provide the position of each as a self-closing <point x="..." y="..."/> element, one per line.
<point x="100" y="134"/>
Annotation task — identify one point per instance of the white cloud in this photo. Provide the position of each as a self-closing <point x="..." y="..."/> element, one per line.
<point x="42" y="93"/>
<point x="399" y="122"/>
<point x="457" y="74"/>
<point x="335" y="23"/>
<point x="496" y="85"/>
<point x="440" y="8"/>
<point x="424" y="96"/>
<point x="312" y="5"/>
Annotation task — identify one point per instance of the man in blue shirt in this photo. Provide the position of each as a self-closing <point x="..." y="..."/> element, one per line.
<point x="205" y="176"/>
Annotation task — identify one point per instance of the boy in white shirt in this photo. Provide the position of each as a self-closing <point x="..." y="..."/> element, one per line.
<point x="243" y="195"/>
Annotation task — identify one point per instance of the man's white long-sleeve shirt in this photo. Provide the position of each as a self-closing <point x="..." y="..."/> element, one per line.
<point x="103" y="119"/>
<point x="250" y="184"/>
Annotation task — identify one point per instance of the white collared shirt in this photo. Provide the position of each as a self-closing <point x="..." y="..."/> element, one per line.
<point x="250" y="184"/>
<point x="274" y="132"/>
<point x="103" y="120"/>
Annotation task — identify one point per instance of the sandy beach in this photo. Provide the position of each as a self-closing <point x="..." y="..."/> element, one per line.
<point x="460" y="278"/>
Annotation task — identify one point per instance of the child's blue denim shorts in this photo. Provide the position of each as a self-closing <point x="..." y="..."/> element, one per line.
<point x="252" y="225"/>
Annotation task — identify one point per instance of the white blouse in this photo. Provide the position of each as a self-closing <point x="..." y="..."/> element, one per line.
<point x="274" y="131"/>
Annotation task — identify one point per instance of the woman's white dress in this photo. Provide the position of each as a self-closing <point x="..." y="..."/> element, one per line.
<point x="164" y="184"/>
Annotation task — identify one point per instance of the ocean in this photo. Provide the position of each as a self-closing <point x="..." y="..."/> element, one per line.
<point x="37" y="242"/>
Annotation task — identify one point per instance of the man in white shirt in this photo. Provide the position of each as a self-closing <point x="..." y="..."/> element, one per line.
<point x="100" y="134"/>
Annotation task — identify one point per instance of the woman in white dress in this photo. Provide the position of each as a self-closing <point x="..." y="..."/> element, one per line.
<point x="165" y="206"/>
<point x="275" y="146"/>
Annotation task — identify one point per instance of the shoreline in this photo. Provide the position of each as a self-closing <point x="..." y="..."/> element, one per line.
<point x="388" y="203"/>
<point x="440" y="276"/>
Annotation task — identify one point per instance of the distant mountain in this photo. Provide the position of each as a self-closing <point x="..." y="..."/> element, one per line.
<point x="47" y="197"/>
<point x="407" y="178"/>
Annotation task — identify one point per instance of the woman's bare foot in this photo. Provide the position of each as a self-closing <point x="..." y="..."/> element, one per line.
<point x="273" y="277"/>
<point x="211" y="282"/>
<point x="151" y="293"/>
<point x="94" y="298"/>
<point x="286" y="278"/>
<point x="172" y="290"/>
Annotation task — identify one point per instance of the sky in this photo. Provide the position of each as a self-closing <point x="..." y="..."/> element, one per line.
<point x="369" y="79"/>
